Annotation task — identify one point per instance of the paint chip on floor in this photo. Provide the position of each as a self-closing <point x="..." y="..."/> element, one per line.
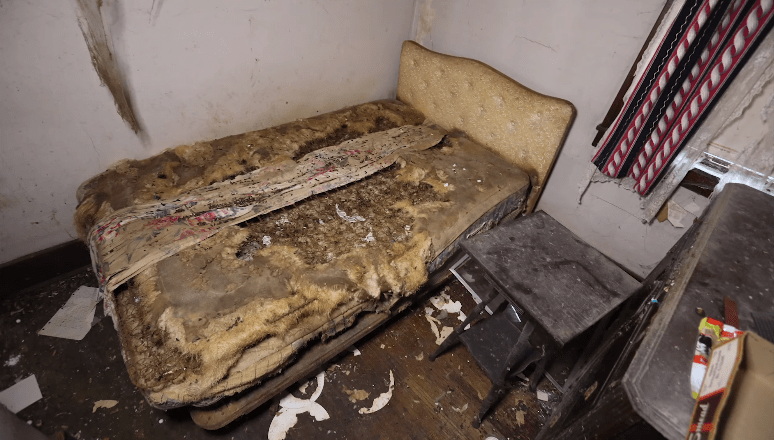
<point x="291" y="407"/>
<point x="356" y="395"/>
<point x="444" y="302"/>
<point x="107" y="404"/>
<point x="440" y="335"/>
<point x="459" y="410"/>
<point x="381" y="401"/>
<point x="520" y="417"/>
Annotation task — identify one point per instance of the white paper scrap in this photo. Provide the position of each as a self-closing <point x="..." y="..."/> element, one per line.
<point x="21" y="395"/>
<point x="73" y="320"/>
<point x="676" y="214"/>
<point x="349" y="218"/>
<point x="381" y="401"/>
<point x="694" y="209"/>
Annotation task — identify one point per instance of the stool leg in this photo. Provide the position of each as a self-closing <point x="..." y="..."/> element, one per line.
<point x="495" y="394"/>
<point x="498" y="386"/>
<point x="534" y="378"/>
<point x="454" y="338"/>
<point x="517" y="352"/>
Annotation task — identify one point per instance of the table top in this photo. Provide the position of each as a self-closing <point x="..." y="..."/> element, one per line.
<point x="562" y="283"/>
<point x="732" y="255"/>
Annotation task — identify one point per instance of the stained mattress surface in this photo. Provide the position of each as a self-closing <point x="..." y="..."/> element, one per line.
<point x="223" y="313"/>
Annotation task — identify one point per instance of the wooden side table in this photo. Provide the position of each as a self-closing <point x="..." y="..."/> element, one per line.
<point x="558" y="285"/>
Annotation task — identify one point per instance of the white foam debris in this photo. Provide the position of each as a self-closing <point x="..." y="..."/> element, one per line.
<point x="13" y="360"/>
<point x="354" y="350"/>
<point x="381" y="401"/>
<point x="282" y="220"/>
<point x="369" y="237"/>
<point x="266" y="240"/>
<point x="320" y="220"/>
<point x="351" y="219"/>
<point x="408" y="227"/>
<point x="291" y="407"/>
<point x="459" y="410"/>
<point x="542" y="395"/>
<point x="444" y="302"/>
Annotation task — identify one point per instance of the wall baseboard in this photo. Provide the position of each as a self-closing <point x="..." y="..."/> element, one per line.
<point x="44" y="265"/>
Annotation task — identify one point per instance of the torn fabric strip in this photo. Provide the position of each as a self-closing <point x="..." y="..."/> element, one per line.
<point x="132" y="239"/>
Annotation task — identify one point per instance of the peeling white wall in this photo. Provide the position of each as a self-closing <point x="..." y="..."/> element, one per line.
<point x="196" y="69"/>
<point x="749" y="140"/>
<point x="580" y="51"/>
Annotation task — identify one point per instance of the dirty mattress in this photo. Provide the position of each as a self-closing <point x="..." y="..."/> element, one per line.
<point x="220" y="260"/>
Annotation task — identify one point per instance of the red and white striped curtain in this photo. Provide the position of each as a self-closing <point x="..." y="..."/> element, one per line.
<point x="704" y="47"/>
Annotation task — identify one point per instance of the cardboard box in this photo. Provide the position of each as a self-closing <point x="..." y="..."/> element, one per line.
<point x="736" y="400"/>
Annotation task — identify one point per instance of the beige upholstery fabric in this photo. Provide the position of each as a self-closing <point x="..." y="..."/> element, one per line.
<point x="521" y="125"/>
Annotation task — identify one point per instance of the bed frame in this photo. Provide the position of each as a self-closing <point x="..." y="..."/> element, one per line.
<point x="524" y="127"/>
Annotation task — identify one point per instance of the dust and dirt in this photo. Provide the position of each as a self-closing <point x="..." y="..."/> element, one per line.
<point x="186" y="167"/>
<point x="153" y="363"/>
<point x="319" y="235"/>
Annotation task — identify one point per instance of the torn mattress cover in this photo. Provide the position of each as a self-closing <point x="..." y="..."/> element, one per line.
<point x="220" y="260"/>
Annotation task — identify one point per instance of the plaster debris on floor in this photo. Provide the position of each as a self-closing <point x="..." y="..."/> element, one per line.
<point x="381" y="401"/>
<point x="441" y="334"/>
<point x="356" y="395"/>
<point x="13" y="360"/>
<point x="107" y="404"/>
<point x="291" y="407"/>
<point x="443" y="302"/>
<point x="446" y="307"/>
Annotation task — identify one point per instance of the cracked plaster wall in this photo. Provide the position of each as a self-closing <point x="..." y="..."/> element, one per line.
<point x="195" y="70"/>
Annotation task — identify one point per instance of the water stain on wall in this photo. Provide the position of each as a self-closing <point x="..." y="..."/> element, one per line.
<point x="101" y="51"/>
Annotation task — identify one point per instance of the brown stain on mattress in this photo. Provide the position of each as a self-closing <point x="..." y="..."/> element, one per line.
<point x="240" y="309"/>
<point x="260" y="292"/>
<point x="373" y="198"/>
<point x="186" y="167"/>
<point x="224" y="313"/>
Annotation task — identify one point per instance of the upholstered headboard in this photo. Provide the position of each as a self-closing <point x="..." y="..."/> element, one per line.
<point x="523" y="126"/>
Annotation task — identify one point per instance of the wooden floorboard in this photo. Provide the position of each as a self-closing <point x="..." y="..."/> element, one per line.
<point x="428" y="402"/>
<point x="431" y="400"/>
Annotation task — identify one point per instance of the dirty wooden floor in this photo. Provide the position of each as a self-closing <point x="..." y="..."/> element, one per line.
<point x="430" y="400"/>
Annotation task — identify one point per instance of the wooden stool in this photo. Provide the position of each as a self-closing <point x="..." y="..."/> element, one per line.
<point x="558" y="286"/>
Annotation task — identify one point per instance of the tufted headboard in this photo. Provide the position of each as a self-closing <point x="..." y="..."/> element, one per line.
<point x="523" y="126"/>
